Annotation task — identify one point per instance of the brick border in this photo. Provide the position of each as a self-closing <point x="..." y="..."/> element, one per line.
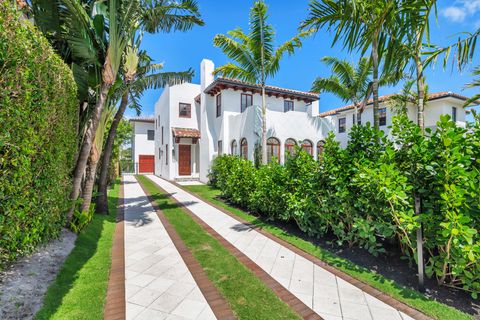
<point x="115" y="299"/>
<point x="286" y="296"/>
<point x="387" y="299"/>
<point x="218" y="304"/>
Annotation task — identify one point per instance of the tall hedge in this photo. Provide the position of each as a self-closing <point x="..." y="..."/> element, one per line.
<point x="363" y="195"/>
<point x="38" y="115"/>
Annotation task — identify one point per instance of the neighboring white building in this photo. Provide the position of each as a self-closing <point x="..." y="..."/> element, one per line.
<point x="143" y="144"/>
<point x="438" y="103"/>
<point x="195" y="123"/>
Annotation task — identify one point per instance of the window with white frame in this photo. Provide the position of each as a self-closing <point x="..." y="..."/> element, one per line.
<point x="342" y="125"/>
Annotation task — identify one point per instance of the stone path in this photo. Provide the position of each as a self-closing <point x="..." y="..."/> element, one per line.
<point x="158" y="283"/>
<point x="328" y="295"/>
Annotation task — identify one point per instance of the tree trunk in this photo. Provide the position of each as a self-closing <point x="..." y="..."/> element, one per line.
<point x="421" y="94"/>
<point x="376" y="123"/>
<point x="87" y="145"/>
<point x="102" y="200"/>
<point x="264" y="127"/>
<point x="90" y="178"/>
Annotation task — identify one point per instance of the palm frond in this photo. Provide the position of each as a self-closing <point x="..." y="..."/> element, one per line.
<point x="167" y="16"/>
<point x="230" y="70"/>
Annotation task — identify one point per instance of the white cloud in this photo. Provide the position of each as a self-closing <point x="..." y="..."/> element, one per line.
<point x="454" y="14"/>
<point x="461" y="10"/>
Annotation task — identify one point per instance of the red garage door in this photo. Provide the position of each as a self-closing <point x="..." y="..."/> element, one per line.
<point x="146" y="163"/>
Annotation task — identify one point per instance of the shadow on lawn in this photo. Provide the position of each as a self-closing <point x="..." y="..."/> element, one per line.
<point x="86" y="246"/>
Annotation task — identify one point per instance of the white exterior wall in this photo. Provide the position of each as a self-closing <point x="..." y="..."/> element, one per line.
<point x="141" y="145"/>
<point x="167" y="107"/>
<point x="433" y="110"/>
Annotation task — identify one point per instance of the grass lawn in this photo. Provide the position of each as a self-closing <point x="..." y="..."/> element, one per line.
<point x="248" y="296"/>
<point x="411" y="297"/>
<point x="80" y="288"/>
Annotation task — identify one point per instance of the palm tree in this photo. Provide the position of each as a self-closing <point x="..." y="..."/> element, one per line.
<point x="348" y="82"/>
<point x="414" y="29"/>
<point x="139" y="74"/>
<point x="255" y="56"/>
<point x="97" y="33"/>
<point x="361" y="25"/>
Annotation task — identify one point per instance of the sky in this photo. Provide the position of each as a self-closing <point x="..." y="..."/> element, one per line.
<point x="183" y="50"/>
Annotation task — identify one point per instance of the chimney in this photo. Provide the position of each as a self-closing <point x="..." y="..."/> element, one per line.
<point x="206" y="73"/>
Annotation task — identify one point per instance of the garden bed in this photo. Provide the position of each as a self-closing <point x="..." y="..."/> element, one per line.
<point x="376" y="271"/>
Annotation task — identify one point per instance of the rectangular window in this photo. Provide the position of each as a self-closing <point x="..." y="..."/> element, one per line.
<point x="185" y="110"/>
<point x="159" y="153"/>
<point x="162" y="135"/>
<point x="353" y="119"/>
<point x="246" y="100"/>
<point x="342" y="125"/>
<point x="382" y="116"/>
<point x="158" y="121"/>
<point x="454" y="114"/>
<point x="166" y="155"/>
<point x="359" y="120"/>
<point x="220" y="147"/>
<point x="287" y="105"/>
<point x="150" y="134"/>
<point x="219" y="105"/>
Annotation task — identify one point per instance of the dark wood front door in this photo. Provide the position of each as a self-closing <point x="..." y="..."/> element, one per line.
<point x="184" y="160"/>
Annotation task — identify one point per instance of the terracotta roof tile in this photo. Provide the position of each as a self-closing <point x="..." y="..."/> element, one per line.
<point x="272" y="90"/>
<point x="185" y="133"/>
<point x="142" y="119"/>
<point x="432" y="96"/>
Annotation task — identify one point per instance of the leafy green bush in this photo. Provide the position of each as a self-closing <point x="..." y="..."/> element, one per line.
<point x="38" y="111"/>
<point x="365" y="194"/>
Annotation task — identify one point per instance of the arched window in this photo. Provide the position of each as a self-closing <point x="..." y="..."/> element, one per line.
<point x="234" y="147"/>
<point x="290" y="147"/>
<point x="273" y="149"/>
<point x="307" y="145"/>
<point x="320" y="146"/>
<point x="244" y="148"/>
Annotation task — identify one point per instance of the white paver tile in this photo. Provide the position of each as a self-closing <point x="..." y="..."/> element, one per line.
<point x="327" y="305"/>
<point x="144" y="297"/>
<point x="150" y="314"/>
<point x="132" y="310"/>
<point x="189" y="309"/>
<point x="382" y="313"/>
<point x="355" y="311"/>
<point x="166" y="303"/>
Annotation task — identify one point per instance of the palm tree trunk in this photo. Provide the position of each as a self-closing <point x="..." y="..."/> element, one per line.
<point x="90" y="178"/>
<point x="421" y="94"/>
<point x="87" y="145"/>
<point x="376" y="123"/>
<point x="264" y="127"/>
<point x="102" y="203"/>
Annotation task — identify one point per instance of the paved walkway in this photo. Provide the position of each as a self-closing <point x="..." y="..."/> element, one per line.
<point x="158" y="283"/>
<point x="328" y="295"/>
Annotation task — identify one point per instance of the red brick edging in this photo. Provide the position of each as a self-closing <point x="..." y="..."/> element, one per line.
<point x="400" y="306"/>
<point x="286" y="296"/>
<point x="217" y="303"/>
<point x="115" y="300"/>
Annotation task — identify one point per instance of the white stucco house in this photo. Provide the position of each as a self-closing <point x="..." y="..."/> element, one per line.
<point x="143" y="144"/>
<point x="194" y="123"/>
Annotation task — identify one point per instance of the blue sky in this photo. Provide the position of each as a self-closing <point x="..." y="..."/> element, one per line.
<point x="180" y="51"/>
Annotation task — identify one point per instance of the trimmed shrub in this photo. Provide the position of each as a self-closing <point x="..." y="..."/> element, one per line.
<point x="364" y="195"/>
<point x="38" y="114"/>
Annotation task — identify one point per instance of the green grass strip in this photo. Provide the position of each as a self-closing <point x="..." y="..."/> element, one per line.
<point x="410" y="297"/>
<point x="249" y="297"/>
<point x="80" y="288"/>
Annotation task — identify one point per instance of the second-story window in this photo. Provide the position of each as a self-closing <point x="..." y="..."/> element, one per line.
<point x="246" y="100"/>
<point x="150" y="134"/>
<point x="342" y="125"/>
<point x="220" y="147"/>
<point x="382" y="116"/>
<point x="454" y="114"/>
<point x="354" y="118"/>
<point x="287" y="105"/>
<point x="219" y="105"/>
<point x="185" y="110"/>
<point x="162" y="135"/>
<point x="359" y="119"/>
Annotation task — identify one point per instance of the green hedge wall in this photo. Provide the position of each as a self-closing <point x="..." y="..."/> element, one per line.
<point x="38" y="115"/>
<point x="363" y="195"/>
